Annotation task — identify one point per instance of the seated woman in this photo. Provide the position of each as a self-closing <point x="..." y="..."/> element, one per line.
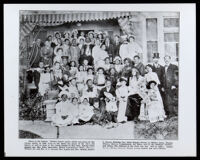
<point x="126" y="70"/>
<point x="73" y="69"/>
<point x="57" y="72"/>
<point x="90" y="74"/>
<point x="63" y="116"/>
<point x="134" y="100"/>
<point x="118" y="64"/>
<point x="113" y="76"/>
<point x="155" y="104"/>
<point x="107" y="64"/>
<point x="85" y="110"/>
<point x="90" y="91"/>
<point x="73" y="90"/>
<point x="100" y="78"/>
<point x="74" y="110"/>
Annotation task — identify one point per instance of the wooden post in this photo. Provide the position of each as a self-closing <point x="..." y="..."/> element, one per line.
<point x="57" y="131"/>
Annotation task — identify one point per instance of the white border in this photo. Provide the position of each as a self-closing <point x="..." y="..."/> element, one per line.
<point x="185" y="146"/>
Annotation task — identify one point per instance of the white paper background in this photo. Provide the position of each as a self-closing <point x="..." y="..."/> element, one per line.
<point x="186" y="144"/>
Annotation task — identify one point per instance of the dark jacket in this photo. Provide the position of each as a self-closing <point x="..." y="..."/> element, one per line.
<point x="102" y="96"/>
<point x="110" y="50"/>
<point x="169" y="76"/>
<point x="141" y="68"/>
<point x="160" y="72"/>
<point x="116" y="49"/>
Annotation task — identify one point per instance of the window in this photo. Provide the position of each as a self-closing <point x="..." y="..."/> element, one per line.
<point x="152" y="34"/>
<point x="171" y="37"/>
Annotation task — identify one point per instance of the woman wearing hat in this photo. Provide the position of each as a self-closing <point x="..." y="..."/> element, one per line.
<point x="123" y="50"/>
<point x="91" y="36"/>
<point x="98" y="54"/>
<point x="118" y="64"/>
<point x="155" y="104"/>
<point x="63" y="116"/>
<point x="122" y="95"/>
<point x="133" y="47"/>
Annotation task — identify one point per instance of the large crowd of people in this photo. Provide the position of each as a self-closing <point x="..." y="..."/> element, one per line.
<point x="102" y="79"/>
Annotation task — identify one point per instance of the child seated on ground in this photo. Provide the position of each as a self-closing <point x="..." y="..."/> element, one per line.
<point x="111" y="108"/>
<point x="85" y="110"/>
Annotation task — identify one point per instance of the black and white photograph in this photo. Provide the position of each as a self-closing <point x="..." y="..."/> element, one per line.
<point x="98" y="74"/>
<point x="100" y="80"/>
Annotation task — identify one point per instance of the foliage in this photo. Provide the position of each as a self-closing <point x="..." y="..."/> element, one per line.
<point x="31" y="108"/>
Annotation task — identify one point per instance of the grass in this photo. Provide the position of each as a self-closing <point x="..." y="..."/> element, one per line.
<point x="167" y="130"/>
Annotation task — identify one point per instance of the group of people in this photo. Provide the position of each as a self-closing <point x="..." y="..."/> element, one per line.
<point x="102" y="81"/>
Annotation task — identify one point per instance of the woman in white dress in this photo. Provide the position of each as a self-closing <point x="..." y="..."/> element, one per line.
<point x="73" y="90"/>
<point x="150" y="75"/>
<point x="63" y="116"/>
<point x="80" y="78"/>
<point x="74" y="110"/>
<point x="122" y="95"/>
<point x="85" y="110"/>
<point x="45" y="78"/>
<point x="155" y="104"/>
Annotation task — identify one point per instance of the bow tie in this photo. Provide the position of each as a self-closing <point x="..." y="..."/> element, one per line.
<point x="90" y="89"/>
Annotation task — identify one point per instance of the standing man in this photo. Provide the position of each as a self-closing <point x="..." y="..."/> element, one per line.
<point x="159" y="69"/>
<point x="116" y="45"/>
<point x="74" y="51"/>
<point x="169" y="78"/>
<point x="109" y="49"/>
<point x="139" y="65"/>
<point x="109" y="89"/>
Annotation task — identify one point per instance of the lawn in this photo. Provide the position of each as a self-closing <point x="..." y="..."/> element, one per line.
<point x="167" y="130"/>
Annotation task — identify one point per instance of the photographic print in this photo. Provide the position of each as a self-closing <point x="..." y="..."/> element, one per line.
<point x="98" y="74"/>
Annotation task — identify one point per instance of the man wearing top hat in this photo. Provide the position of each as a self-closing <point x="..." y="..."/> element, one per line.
<point x="159" y="69"/>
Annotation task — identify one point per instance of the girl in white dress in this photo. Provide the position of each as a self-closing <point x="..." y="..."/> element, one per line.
<point x="122" y="94"/>
<point x="45" y="78"/>
<point x="90" y="75"/>
<point x="74" y="110"/>
<point x="155" y="104"/>
<point x="85" y="110"/>
<point x="100" y="78"/>
<point x="73" y="90"/>
<point x="80" y="78"/>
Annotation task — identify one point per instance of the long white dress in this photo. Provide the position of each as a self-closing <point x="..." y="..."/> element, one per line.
<point x="62" y="109"/>
<point x="155" y="106"/>
<point x="122" y="94"/>
<point x="134" y="49"/>
<point x="123" y="51"/>
<point x="45" y="79"/>
<point x="85" y="112"/>
<point x="80" y="79"/>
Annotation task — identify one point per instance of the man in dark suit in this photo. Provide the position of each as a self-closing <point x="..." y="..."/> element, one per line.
<point x="139" y="65"/>
<point x="169" y="85"/>
<point x="102" y="98"/>
<point x="116" y="45"/>
<point x="109" y="48"/>
<point x="159" y="69"/>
